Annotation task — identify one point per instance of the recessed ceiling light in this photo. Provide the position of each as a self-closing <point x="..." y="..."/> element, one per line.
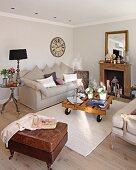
<point x="54" y="17"/>
<point x="36" y="13"/>
<point x="12" y="8"/>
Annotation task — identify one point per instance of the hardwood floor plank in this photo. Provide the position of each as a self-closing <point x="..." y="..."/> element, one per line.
<point x="123" y="157"/>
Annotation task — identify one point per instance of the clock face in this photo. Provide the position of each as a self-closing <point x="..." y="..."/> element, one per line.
<point x="57" y="47"/>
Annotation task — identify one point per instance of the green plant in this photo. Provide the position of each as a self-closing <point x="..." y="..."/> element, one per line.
<point x="89" y="90"/>
<point x="102" y="90"/>
<point x="4" y="72"/>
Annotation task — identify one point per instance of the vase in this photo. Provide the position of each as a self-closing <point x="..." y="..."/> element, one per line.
<point x="10" y="78"/>
<point x="102" y="96"/>
<point x="90" y="95"/>
<point x="4" y="81"/>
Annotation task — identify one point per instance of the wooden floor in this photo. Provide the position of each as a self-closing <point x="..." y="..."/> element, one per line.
<point x="123" y="157"/>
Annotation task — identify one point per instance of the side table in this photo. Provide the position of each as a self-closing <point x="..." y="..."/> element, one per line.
<point x="12" y="97"/>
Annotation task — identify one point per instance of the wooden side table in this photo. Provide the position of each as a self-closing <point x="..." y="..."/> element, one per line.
<point x="84" y="75"/>
<point x="11" y="97"/>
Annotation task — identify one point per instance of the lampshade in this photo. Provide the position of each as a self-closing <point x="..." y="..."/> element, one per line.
<point x="18" y="54"/>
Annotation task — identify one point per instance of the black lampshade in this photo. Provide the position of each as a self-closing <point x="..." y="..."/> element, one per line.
<point x="18" y="54"/>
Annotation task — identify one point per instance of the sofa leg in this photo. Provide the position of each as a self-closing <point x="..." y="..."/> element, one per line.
<point x="112" y="141"/>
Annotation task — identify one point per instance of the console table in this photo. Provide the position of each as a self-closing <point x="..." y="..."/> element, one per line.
<point x="11" y="97"/>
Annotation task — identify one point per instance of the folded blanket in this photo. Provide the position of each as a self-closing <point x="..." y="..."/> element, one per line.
<point x="25" y="122"/>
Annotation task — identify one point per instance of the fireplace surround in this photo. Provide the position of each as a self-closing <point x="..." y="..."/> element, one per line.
<point x="121" y="71"/>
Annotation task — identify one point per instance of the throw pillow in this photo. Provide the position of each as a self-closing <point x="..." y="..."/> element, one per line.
<point x="56" y="68"/>
<point x="133" y="112"/>
<point x="23" y="73"/>
<point x="65" y="68"/>
<point x="48" y="82"/>
<point x="47" y="70"/>
<point x="70" y="77"/>
<point x="59" y="81"/>
<point x="35" y="74"/>
<point x="53" y="74"/>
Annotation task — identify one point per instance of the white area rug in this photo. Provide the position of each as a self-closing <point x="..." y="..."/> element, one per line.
<point x="84" y="132"/>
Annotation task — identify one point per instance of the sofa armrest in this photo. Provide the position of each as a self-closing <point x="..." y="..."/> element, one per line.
<point x="127" y="117"/>
<point x="33" y="84"/>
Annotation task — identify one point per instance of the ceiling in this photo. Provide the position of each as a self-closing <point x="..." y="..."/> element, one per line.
<point x="72" y="12"/>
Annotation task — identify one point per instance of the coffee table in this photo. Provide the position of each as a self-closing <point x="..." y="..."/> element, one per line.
<point x="88" y="108"/>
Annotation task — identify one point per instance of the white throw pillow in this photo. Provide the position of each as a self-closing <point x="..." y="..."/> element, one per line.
<point x="70" y="77"/>
<point x="48" y="82"/>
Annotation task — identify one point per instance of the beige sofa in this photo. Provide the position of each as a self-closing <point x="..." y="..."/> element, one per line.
<point x="37" y="97"/>
<point x="124" y="123"/>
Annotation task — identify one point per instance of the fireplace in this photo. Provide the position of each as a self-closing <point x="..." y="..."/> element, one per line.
<point x="119" y="72"/>
<point x="110" y="75"/>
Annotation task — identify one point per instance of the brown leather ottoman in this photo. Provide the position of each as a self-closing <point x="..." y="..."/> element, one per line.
<point x="42" y="144"/>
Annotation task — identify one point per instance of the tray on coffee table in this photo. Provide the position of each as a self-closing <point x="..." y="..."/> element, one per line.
<point x="88" y="108"/>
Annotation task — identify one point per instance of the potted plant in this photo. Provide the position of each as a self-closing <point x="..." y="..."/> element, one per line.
<point x="89" y="91"/>
<point x="102" y="92"/>
<point x="4" y="73"/>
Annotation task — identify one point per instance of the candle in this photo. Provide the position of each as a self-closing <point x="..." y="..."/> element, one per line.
<point x="108" y="86"/>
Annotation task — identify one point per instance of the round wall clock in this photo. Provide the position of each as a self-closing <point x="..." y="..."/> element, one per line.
<point x="57" y="47"/>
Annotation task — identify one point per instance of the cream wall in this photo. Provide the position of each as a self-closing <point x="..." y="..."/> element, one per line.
<point x="86" y="43"/>
<point x="89" y="44"/>
<point x="36" y="38"/>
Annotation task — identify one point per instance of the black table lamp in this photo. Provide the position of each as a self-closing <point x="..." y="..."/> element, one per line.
<point x="18" y="55"/>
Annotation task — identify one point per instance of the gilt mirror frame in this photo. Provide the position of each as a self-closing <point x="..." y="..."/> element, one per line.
<point x="116" y="32"/>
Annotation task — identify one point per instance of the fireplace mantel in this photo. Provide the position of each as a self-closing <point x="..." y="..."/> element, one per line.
<point x="125" y="68"/>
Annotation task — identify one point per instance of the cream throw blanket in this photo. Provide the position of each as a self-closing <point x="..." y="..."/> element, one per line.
<point x="19" y="125"/>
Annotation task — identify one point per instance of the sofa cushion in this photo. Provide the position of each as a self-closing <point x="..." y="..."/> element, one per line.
<point x="70" y="77"/>
<point x="59" y="81"/>
<point x="23" y="73"/>
<point x="48" y="82"/>
<point x="117" y="120"/>
<point x="47" y="70"/>
<point x="65" y="68"/>
<point x="131" y="126"/>
<point x="35" y="74"/>
<point x="53" y="74"/>
<point x="56" y="68"/>
<point x="53" y="91"/>
<point x="133" y="112"/>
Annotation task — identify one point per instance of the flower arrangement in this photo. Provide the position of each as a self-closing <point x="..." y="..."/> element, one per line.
<point x="11" y="71"/>
<point x="7" y="72"/>
<point x="89" y="90"/>
<point x="101" y="90"/>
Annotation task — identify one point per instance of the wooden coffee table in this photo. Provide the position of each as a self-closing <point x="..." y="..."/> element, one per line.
<point x="87" y="108"/>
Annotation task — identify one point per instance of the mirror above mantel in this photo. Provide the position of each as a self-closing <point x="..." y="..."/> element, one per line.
<point x="116" y="42"/>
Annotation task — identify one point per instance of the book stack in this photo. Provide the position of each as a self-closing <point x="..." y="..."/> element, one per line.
<point x="99" y="103"/>
<point x="44" y="123"/>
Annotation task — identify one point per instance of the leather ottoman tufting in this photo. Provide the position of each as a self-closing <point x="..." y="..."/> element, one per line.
<point x="42" y="144"/>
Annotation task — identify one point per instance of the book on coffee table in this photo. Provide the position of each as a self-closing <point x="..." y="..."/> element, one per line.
<point x="74" y="100"/>
<point x="99" y="103"/>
